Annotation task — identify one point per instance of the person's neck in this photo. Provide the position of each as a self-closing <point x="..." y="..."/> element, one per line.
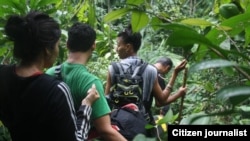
<point x="26" y="71"/>
<point x="78" y="58"/>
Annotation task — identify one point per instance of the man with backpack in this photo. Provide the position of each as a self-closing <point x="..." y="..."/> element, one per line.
<point x="128" y="43"/>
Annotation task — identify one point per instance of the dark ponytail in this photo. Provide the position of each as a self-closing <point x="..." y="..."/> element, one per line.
<point x="32" y="34"/>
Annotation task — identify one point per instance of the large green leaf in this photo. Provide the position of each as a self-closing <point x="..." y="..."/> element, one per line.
<point x="202" y="120"/>
<point x="176" y="27"/>
<point x="139" y="20"/>
<point x="92" y="13"/>
<point x="182" y="35"/>
<point x="185" y="37"/>
<point x="237" y="23"/>
<point x="216" y="63"/>
<point x="135" y="2"/>
<point x="196" y="22"/>
<point x="234" y="94"/>
<point x="33" y="3"/>
<point x="5" y="2"/>
<point x="218" y="34"/>
<point x="3" y="50"/>
<point x="113" y="15"/>
<point x="17" y="6"/>
<point x="247" y="36"/>
<point x="46" y="2"/>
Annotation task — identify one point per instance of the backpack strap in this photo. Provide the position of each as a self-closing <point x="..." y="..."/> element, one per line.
<point x="115" y="67"/>
<point x="58" y="72"/>
<point x="140" y="69"/>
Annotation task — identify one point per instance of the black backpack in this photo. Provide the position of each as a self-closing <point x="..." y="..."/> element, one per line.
<point x="127" y="86"/>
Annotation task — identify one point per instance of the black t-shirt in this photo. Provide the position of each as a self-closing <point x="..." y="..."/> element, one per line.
<point x="161" y="81"/>
<point x="36" y="108"/>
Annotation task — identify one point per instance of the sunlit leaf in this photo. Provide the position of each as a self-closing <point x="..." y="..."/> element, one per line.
<point x="232" y="26"/>
<point x="234" y="94"/>
<point x="216" y="63"/>
<point x="224" y="28"/>
<point x="167" y="118"/>
<point x="46" y="2"/>
<point x="135" y="2"/>
<point x="139" y="20"/>
<point x="202" y="120"/>
<point x="3" y="50"/>
<point x="113" y="15"/>
<point x="209" y="87"/>
<point x="247" y="36"/>
<point x="196" y="22"/>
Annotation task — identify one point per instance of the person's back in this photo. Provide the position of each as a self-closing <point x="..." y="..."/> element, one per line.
<point x="79" y="80"/>
<point x="23" y="111"/>
<point x="81" y="44"/>
<point x="148" y="75"/>
<point x="128" y="44"/>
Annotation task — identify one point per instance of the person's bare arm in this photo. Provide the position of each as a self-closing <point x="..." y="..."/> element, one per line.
<point x="163" y="97"/>
<point x="108" y="84"/>
<point x="104" y="128"/>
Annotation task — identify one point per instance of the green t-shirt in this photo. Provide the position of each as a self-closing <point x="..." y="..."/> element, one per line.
<point x="80" y="81"/>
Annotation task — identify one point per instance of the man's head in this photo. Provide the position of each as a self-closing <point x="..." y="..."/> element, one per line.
<point x="81" y="37"/>
<point x="164" y="65"/>
<point x="128" y="43"/>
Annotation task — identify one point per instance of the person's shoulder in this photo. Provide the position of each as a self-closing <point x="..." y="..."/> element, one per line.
<point x="49" y="83"/>
<point x="150" y="67"/>
<point x="50" y="70"/>
<point x="4" y="67"/>
<point x="46" y="78"/>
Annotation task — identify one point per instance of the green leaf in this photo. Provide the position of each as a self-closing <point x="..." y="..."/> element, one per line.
<point x="3" y="50"/>
<point x="141" y="137"/>
<point x="154" y="22"/>
<point x="234" y="94"/>
<point x="113" y="15"/>
<point x="202" y="120"/>
<point x="237" y="23"/>
<point x="196" y="22"/>
<point x="92" y="13"/>
<point x="46" y="2"/>
<point x="169" y="117"/>
<point x="139" y="20"/>
<point x="215" y="63"/>
<point x="5" y="2"/>
<point x="228" y="71"/>
<point x="184" y="36"/>
<point x="247" y="36"/>
<point x="135" y="2"/>
<point x="33" y="3"/>
<point x="209" y="87"/>
<point x="176" y="27"/>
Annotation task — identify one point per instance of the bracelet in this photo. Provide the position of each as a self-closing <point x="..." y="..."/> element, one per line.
<point x="169" y="87"/>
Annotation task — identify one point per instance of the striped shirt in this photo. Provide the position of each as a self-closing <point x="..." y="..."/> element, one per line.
<point x="39" y="108"/>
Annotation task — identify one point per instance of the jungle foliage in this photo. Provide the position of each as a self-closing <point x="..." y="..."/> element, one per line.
<point x="213" y="36"/>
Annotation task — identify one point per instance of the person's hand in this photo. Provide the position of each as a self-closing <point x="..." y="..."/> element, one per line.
<point x="92" y="96"/>
<point x="181" y="66"/>
<point x="182" y="91"/>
